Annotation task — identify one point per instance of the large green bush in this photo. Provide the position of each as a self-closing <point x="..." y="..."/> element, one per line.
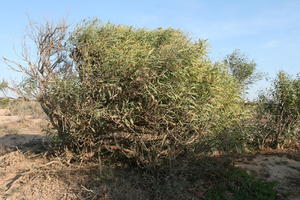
<point x="145" y="95"/>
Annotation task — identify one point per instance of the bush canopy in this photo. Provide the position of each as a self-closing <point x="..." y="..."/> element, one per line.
<point x="146" y="95"/>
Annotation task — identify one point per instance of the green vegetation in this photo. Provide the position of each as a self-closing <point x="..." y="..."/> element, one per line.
<point x="238" y="185"/>
<point x="149" y="98"/>
<point x="279" y="111"/>
<point x="146" y="96"/>
<point x="241" y="68"/>
<point x="4" y="102"/>
<point x="204" y="178"/>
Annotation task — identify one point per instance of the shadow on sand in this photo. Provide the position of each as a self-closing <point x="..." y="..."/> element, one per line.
<point x="24" y="142"/>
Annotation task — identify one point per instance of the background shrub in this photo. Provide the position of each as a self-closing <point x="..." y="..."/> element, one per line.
<point x="278" y="112"/>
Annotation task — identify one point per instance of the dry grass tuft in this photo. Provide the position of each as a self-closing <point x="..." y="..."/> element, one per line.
<point x="26" y="109"/>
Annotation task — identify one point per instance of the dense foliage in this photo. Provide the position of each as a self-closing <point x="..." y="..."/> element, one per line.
<point x="143" y="94"/>
<point x="150" y="95"/>
<point x="147" y="97"/>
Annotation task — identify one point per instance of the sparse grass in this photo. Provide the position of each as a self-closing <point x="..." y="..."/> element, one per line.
<point x="238" y="185"/>
<point x="295" y="168"/>
<point x="4" y="150"/>
<point x="25" y="109"/>
<point x="1" y="175"/>
<point x="4" y="129"/>
<point x="205" y="178"/>
<point x="284" y="162"/>
<point x="4" y="102"/>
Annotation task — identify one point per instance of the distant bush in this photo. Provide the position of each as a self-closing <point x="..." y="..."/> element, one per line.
<point x="26" y="109"/>
<point x="241" y="68"/>
<point x="279" y="111"/>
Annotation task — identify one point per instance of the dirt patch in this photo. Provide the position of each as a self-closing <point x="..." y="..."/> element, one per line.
<point x="4" y="112"/>
<point x="19" y="130"/>
<point x="25" y="173"/>
<point x="17" y="140"/>
<point x="280" y="168"/>
<point x="22" y="176"/>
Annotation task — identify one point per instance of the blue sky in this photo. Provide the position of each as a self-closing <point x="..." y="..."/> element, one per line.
<point x="267" y="31"/>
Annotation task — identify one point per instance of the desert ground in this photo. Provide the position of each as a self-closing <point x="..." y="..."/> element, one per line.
<point x="27" y="172"/>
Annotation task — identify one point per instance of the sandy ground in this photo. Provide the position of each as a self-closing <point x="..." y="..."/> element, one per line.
<point x="281" y="168"/>
<point x="18" y="130"/>
<point x="25" y="176"/>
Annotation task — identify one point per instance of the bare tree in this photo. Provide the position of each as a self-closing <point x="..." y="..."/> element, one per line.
<point x="49" y="62"/>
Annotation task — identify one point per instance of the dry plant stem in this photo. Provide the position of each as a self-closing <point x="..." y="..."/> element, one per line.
<point x="51" y="58"/>
<point x="31" y="171"/>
